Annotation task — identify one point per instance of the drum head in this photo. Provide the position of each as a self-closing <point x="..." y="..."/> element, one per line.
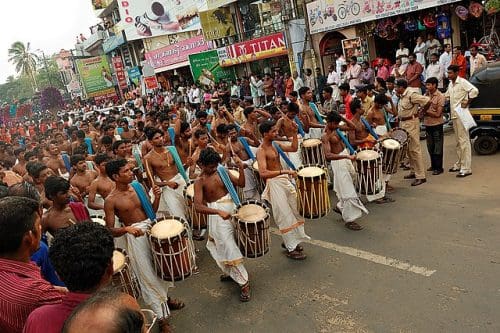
<point x="99" y="220"/>
<point x="311" y="142"/>
<point x="255" y="165"/>
<point x="251" y="213"/>
<point x="367" y="155"/>
<point x="118" y="261"/>
<point x="235" y="173"/>
<point x="190" y="191"/>
<point x="165" y="229"/>
<point x="400" y="135"/>
<point x="391" y="144"/>
<point x="309" y="172"/>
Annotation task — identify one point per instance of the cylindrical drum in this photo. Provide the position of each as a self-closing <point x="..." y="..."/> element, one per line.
<point x="172" y="248"/>
<point x="312" y="152"/>
<point x="391" y="155"/>
<point x="369" y="171"/>
<point x="261" y="184"/>
<point x="252" y="228"/>
<point x="236" y="173"/>
<point x="123" y="275"/>
<point x="197" y="220"/>
<point x="312" y="191"/>
<point x="402" y="136"/>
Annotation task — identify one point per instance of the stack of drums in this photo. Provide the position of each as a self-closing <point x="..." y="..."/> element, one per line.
<point x="312" y="188"/>
<point x="252" y="228"/>
<point x="369" y="171"/>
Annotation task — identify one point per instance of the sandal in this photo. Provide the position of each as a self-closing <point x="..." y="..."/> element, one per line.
<point x="225" y="278"/>
<point x="337" y="210"/>
<point x="298" y="247"/>
<point x="175" y="304"/>
<point x="353" y="226"/>
<point x="245" y="292"/>
<point x="384" y="200"/>
<point x="164" y="326"/>
<point x="296" y="255"/>
<point x="389" y="188"/>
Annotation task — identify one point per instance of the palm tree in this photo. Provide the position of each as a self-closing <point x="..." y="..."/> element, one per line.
<point x="25" y="61"/>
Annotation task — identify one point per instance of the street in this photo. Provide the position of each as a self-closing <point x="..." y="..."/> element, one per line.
<point x="427" y="263"/>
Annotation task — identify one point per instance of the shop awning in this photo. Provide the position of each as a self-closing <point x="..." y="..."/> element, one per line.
<point x="172" y="66"/>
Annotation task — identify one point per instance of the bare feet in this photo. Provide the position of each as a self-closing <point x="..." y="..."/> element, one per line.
<point x="164" y="326"/>
<point x="175" y="304"/>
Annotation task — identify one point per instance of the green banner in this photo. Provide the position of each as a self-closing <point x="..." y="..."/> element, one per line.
<point x="96" y="76"/>
<point x="206" y="70"/>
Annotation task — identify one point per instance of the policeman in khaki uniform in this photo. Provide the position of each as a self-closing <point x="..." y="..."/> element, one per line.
<point x="408" y="108"/>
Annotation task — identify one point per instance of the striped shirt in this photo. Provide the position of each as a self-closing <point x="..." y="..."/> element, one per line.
<point x="22" y="289"/>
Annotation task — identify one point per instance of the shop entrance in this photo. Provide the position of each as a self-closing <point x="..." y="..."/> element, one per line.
<point x="330" y="44"/>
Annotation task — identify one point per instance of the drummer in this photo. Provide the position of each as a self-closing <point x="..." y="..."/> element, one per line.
<point x="307" y="115"/>
<point x="377" y="116"/>
<point x="125" y="203"/>
<point x="349" y="205"/>
<point x="211" y="197"/>
<point x="280" y="192"/>
<point x="287" y="128"/>
<point x="102" y="186"/>
<point x="163" y="172"/>
<point x="359" y="136"/>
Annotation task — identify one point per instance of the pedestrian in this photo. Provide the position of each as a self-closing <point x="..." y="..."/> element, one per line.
<point x="477" y="60"/>
<point x="297" y="81"/>
<point x="460" y="93"/>
<point x="309" y="80"/>
<point x="413" y="74"/>
<point x="434" y="70"/>
<point x="459" y="60"/>
<point x="288" y="85"/>
<point x="367" y="73"/>
<point x="420" y="50"/>
<point x="445" y="62"/>
<point x="268" y="87"/>
<point x="320" y="84"/>
<point x="402" y="53"/>
<point x="382" y="70"/>
<point x="279" y="84"/>
<point x="432" y="46"/>
<point x="353" y="73"/>
<point x="433" y="121"/>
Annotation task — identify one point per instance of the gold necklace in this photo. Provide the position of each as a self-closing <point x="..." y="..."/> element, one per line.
<point x="159" y="154"/>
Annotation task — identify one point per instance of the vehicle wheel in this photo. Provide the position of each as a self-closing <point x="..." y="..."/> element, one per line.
<point x="355" y="9"/>
<point x="486" y="145"/>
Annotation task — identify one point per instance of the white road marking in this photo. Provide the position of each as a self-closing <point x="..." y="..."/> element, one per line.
<point x="378" y="259"/>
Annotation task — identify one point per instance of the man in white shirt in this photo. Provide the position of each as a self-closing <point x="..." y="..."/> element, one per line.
<point x="353" y="73"/>
<point x="477" y="60"/>
<point x="256" y="89"/>
<point x="297" y="81"/>
<point x="402" y="53"/>
<point x="333" y="77"/>
<point x="434" y="70"/>
<point x="339" y="61"/>
<point x="432" y="46"/>
<point x="460" y="93"/>
<point x="445" y="60"/>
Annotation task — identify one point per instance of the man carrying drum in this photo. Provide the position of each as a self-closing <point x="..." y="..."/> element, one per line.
<point x="287" y="127"/>
<point x="279" y="191"/>
<point x="211" y="197"/>
<point x="124" y="201"/>
<point x="349" y="205"/>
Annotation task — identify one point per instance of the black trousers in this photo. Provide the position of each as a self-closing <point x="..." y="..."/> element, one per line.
<point x="435" y="140"/>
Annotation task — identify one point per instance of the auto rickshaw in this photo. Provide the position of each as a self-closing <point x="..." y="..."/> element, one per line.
<point x="485" y="109"/>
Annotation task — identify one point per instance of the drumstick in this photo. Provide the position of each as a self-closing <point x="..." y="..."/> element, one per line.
<point x="71" y="221"/>
<point x="148" y="172"/>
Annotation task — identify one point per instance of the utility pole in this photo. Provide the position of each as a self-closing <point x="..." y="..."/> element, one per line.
<point x="49" y="76"/>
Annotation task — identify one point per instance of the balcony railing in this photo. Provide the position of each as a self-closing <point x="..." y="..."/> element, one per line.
<point x="94" y="40"/>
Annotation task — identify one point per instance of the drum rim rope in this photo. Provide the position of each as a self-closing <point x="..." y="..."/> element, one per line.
<point x="322" y="205"/>
<point x="242" y="236"/>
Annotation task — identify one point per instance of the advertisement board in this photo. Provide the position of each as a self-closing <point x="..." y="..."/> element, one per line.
<point x="206" y="69"/>
<point x="326" y="15"/>
<point x="255" y="49"/>
<point x="96" y="76"/>
<point x="217" y="23"/>
<point x="146" y="18"/>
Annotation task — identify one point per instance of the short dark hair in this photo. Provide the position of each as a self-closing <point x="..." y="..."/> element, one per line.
<point x="25" y="190"/>
<point x="303" y="91"/>
<point x="345" y="87"/>
<point x="113" y="167"/>
<point x="106" y="140"/>
<point x="35" y="169"/>
<point x="80" y="134"/>
<point x="19" y="151"/>
<point x="209" y="156"/>
<point x="230" y="127"/>
<point x="328" y="90"/>
<point x="199" y="132"/>
<point x="184" y="126"/>
<point x="293" y="107"/>
<point x="221" y="129"/>
<point x="151" y="133"/>
<point x="100" y="158"/>
<point x="81" y="254"/>
<point x="380" y="99"/>
<point x="201" y="114"/>
<point x="390" y="79"/>
<point x="355" y="105"/>
<point x="402" y="83"/>
<point x="294" y="94"/>
<point x="76" y="158"/>
<point x="266" y="126"/>
<point x="117" y="144"/>
<point x="54" y="185"/>
<point x="454" y="68"/>
<point x="432" y="80"/>
<point x="248" y="110"/>
<point x="333" y="117"/>
<point x="17" y="217"/>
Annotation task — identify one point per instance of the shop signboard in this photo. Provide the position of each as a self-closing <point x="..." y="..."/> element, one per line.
<point x="206" y="69"/>
<point x="119" y="71"/>
<point x="112" y="42"/>
<point x="326" y="15"/>
<point x="151" y="82"/>
<point x="146" y="18"/>
<point x="255" y="49"/>
<point x="354" y="47"/>
<point x="95" y="75"/>
<point x="217" y="23"/>
<point x="176" y="53"/>
<point x="134" y="75"/>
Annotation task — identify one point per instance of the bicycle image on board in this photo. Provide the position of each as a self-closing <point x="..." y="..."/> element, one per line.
<point x="348" y="7"/>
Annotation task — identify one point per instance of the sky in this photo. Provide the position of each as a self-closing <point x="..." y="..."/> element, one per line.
<point x="49" y="25"/>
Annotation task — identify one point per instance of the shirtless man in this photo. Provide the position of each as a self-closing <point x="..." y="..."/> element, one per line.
<point x="60" y="215"/>
<point x="127" y="134"/>
<point x="349" y="205"/>
<point x="124" y="202"/>
<point x="20" y="167"/>
<point x="211" y="198"/>
<point x="280" y="192"/>
<point x="307" y="115"/>
<point x="183" y="141"/>
<point x="164" y="125"/>
<point x="63" y="144"/>
<point x="80" y="142"/>
<point x="201" y="140"/>
<point x="88" y="132"/>
<point x="250" y="128"/>
<point x="376" y="116"/>
<point x="162" y="171"/>
<point x="55" y="161"/>
<point x="222" y="116"/>
<point x="102" y="185"/>
<point x="286" y="125"/>
<point x="201" y="121"/>
<point x="359" y="137"/>
<point x="83" y="177"/>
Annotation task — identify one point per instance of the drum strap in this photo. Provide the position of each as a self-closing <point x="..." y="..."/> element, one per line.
<point x="138" y="159"/>
<point x="88" y="142"/>
<point x="171" y="134"/>
<point x="178" y="162"/>
<point x="345" y="141"/>
<point x="119" y="130"/>
<point x="283" y="156"/>
<point x="246" y="146"/>
<point x="143" y="198"/>
<point x="316" y="112"/>
<point x="224" y="176"/>
<point x="369" y="128"/>
<point x="387" y="123"/>
<point x="299" y="125"/>
<point x="65" y="159"/>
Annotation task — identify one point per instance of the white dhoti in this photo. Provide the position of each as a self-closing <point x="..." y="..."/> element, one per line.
<point x="154" y="290"/>
<point x="172" y="200"/>
<point x="221" y="242"/>
<point x="282" y="195"/>
<point x="250" y="189"/>
<point x="349" y="203"/>
<point x="295" y="157"/>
